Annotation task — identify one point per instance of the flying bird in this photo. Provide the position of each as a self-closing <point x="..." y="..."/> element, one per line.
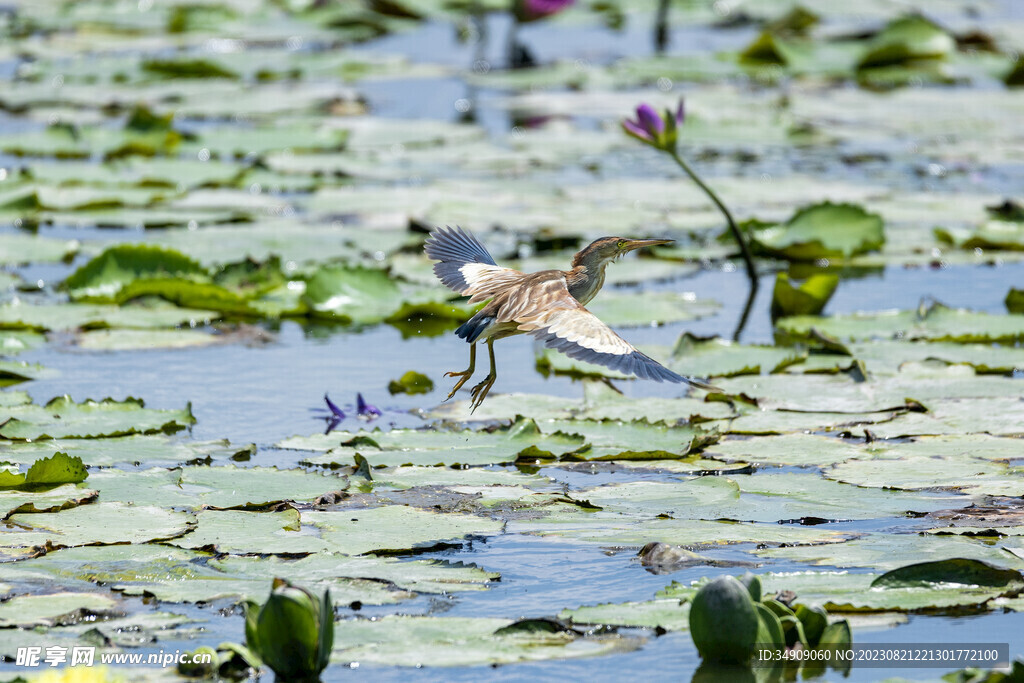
<point x="550" y="305"/>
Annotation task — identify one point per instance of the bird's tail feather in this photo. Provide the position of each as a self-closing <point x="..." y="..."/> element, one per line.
<point x="474" y="327"/>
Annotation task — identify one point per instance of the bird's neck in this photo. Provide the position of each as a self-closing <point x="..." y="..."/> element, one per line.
<point x="584" y="282"/>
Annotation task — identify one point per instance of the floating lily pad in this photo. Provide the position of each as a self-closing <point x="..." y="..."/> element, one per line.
<point x="45" y="317"/>
<point x="46" y="472"/>
<point x="27" y="611"/>
<point x="97" y="524"/>
<point x="809" y="298"/>
<point x="105" y="275"/>
<point x="135" y="449"/>
<point x="13" y="342"/>
<point x="935" y="323"/>
<point x="671" y="614"/>
<point x="715" y="357"/>
<point x="785" y="449"/>
<point x="636" y="310"/>
<point x="240" y="532"/>
<point x="132" y="340"/>
<point x="394" y="528"/>
<point x="971" y="475"/>
<point x="411" y="382"/>
<point x="221" y="487"/>
<point x="990" y="235"/>
<point x="845" y="592"/>
<point x="53" y="500"/>
<point x="15" y="372"/>
<point x="460" y="641"/>
<point x="636" y="440"/>
<point x="63" y="418"/>
<point x="19" y="249"/>
<point x="997" y="416"/>
<point x="822" y="231"/>
<point x="430" y="447"/>
<point x="889" y="551"/>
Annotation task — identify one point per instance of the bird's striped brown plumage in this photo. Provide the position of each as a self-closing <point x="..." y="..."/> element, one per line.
<point x="548" y="305"/>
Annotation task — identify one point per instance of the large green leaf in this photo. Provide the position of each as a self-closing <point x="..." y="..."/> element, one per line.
<point x="907" y="39"/>
<point x="934" y="323"/>
<point x="26" y="611"/>
<point x="671" y="614"/>
<point x="436" y="447"/>
<point x="63" y="418"/>
<point x="51" y="500"/>
<point x="102" y="278"/>
<point x="96" y="524"/>
<point x="135" y="449"/>
<point x="809" y="298"/>
<point x="359" y="295"/>
<point x="18" y="249"/>
<point x="822" y="231"/>
<point x="20" y="314"/>
<point x="461" y="641"/>
<point x="221" y="487"/>
<point x="715" y="357"/>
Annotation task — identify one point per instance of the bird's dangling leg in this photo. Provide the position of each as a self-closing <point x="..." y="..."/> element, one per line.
<point x="465" y="374"/>
<point x="481" y="390"/>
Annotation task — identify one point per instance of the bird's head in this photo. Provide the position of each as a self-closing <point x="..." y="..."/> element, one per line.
<point x="603" y="251"/>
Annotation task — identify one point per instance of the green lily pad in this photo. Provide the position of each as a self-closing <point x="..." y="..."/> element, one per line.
<point x="27" y="611"/>
<point x="934" y="323"/>
<point x="241" y="532"/>
<point x="635" y="440"/>
<point x="906" y="40"/>
<point x="104" y="276"/>
<point x="135" y="449"/>
<point x="132" y="340"/>
<point x="847" y="592"/>
<point x="715" y="357"/>
<point x="764" y="498"/>
<point x="15" y="372"/>
<point x="889" y="551"/>
<point x="53" y="500"/>
<point x="990" y="235"/>
<point x="411" y="382"/>
<point x="913" y="472"/>
<point x="394" y="528"/>
<point x="671" y="615"/>
<point x="220" y="487"/>
<point x="172" y="574"/>
<point x="13" y="398"/>
<point x="785" y="449"/>
<point x="647" y="308"/>
<point x="460" y="641"/>
<point x="1015" y="300"/>
<point x="615" y="530"/>
<point x="46" y="317"/>
<point x="765" y="422"/>
<point x="97" y="524"/>
<point x="19" y="249"/>
<point x="822" y="231"/>
<point x="13" y="342"/>
<point x="996" y="416"/>
<point x="63" y="418"/>
<point x="52" y="471"/>
<point x="359" y="295"/>
<point x="429" y="447"/>
<point x="886" y="357"/>
<point x="809" y="298"/>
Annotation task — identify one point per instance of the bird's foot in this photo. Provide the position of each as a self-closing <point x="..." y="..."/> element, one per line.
<point x="465" y="375"/>
<point x="480" y="392"/>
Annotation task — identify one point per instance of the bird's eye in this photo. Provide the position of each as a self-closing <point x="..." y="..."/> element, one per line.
<point x="621" y="243"/>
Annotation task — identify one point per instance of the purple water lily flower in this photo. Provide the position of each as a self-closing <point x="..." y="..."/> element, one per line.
<point x="366" y="411"/>
<point x="532" y="10"/>
<point x="656" y="130"/>
<point x="336" y="412"/>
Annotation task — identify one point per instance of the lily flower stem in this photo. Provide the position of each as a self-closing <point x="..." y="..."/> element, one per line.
<point x="733" y="228"/>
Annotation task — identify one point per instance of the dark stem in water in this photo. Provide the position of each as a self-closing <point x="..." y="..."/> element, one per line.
<point x="733" y="228"/>
<point x="661" y="27"/>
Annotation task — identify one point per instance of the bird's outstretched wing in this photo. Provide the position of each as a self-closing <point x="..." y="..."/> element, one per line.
<point x="547" y="311"/>
<point x="466" y="266"/>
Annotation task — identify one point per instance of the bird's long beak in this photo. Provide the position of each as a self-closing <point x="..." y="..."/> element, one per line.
<point x="640" y="244"/>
